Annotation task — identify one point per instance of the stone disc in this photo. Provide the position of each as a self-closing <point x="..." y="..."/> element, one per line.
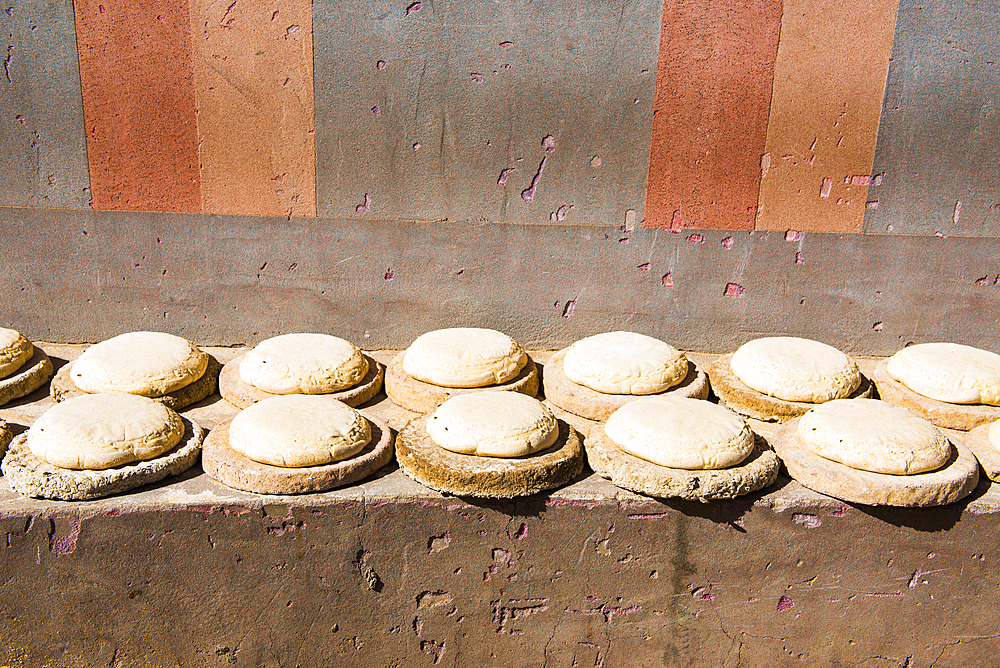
<point x="63" y="387"/>
<point x="978" y="440"/>
<point x="735" y="394"/>
<point x="593" y="405"/>
<point x="627" y="471"/>
<point x="36" y="372"/>
<point x="952" y="482"/>
<point x="6" y="436"/>
<point x="242" y="394"/>
<point x="487" y="477"/>
<point x="962" y="417"/>
<point x="235" y="470"/>
<point x="33" y="477"/>
<point x="421" y="397"/>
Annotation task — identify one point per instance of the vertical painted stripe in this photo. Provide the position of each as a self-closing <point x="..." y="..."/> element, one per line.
<point x="713" y="92"/>
<point x="828" y="85"/>
<point x="254" y="83"/>
<point x="43" y="153"/>
<point x="138" y="103"/>
<point x="939" y="141"/>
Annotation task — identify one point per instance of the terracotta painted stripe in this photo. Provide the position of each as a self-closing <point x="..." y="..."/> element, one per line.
<point x="254" y="73"/>
<point x="138" y="103"/>
<point x="713" y="91"/>
<point x="829" y="80"/>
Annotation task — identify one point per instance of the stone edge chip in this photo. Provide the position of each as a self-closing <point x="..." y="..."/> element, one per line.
<point x="962" y="417"/>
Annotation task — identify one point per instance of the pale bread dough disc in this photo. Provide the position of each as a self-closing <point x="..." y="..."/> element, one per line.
<point x="102" y="431"/>
<point x="681" y="433"/>
<point x="948" y="372"/>
<point x="871" y="435"/>
<point x="149" y="364"/>
<point x="493" y="424"/>
<point x="464" y="357"/>
<point x="624" y="363"/>
<point x="299" y="430"/>
<point x="795" y="369"/>
<point x="15" y="350"/>
<point x="303" y="364"/>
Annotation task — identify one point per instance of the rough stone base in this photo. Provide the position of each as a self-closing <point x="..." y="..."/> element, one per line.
<point x="487" y="477"/>
<point x="235" y="470"/>
<point x="978" y="440"/>
<point x="585" y="402"/>
<point x="36" y="478"/>
<point x="63" y="387"/>
<point x="421" y="397"/>
<point x="6" y="436"/>
<point x="738" y="396"/>
<point x="35" y="373"/>
<point x="758" y="471"/>
<point x="950" y="416"/>
<point x="242" y="394"/>
<point x="948" y="484"/>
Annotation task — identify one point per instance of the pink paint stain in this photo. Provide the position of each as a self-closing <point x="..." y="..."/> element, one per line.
<point x="696" y="238"/>
<point x="676" y="222"/>
<point x="414" y="7"/>
<point x="380" y="65"/>
<point x="983" y="281"/>
<point x="785" y="603"/>
<point x="366" y="207"/>
<point x="549" y="143"/>
<point x="528" y="193"/>
<point x="668" y="280"/>
<point x="476" y="76"/>
<point x="502" y="181"/>
<point x="878" y="326"/>
<point x="376" y="111"/>
<point x="389" y="275"/>
<point x="799" y="258"/>
<point x="793" y="235"/>
<point x="67" y="544"/>
<point x="733" y="290"/>
<point x="560" y="214"/>
<point x="505" y="45"/>
<point x="645" y="266"/>
<point x="727" y="243"/>
<point x="569" y="308"/>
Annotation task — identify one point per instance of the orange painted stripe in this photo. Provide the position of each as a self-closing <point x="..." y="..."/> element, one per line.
<point x="138" y="103"/>
<point x="253" y="67"/>
<point x="829" y="81"/>
<point x="713" y="91"/>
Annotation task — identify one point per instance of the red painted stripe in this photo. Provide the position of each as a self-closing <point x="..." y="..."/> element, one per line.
<point x="713" y="92"/>
<point x="139" y="106"/>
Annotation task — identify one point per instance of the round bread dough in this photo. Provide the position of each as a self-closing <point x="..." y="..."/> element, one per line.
<point x="303" y="364"/>
<point x="795" y="369"/>
<point x="681" y="433"/>
<point x="102" y="431"/>
<point x="871" y="435"/>
<point x="948" y="372"/>
<point x="15" y="351"/>
<point x="149" y="364"/>
<point x="464" y="357"/>
<point x="624" y="363"/>
<point x="299" y="430"/>
<point x="493" y="424"/>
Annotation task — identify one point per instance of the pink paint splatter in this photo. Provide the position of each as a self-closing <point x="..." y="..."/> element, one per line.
<point x="727" y="243"/>
<point x="376" y="111"/>
<point x="560" y="214"/>
<point x="733" y="290"/>
<point x="696" y="238"/>
<point x="505" y="45"/>
<point x="476" y="76"/>
<point x="799" y="258"/>
<point x="366" y="207"/>
<point x="824" y="191"/>
<point x="982" y="281"/>
<point x="676" y="222"/>
<point x="569" y="308"/>
<point x="793" y="235"/>
<point x="416" y="146"/>
<point x="67" y="544"/>
<point x="388" y="274"/>
<point x="785" y="603"/>
<point x="878" y="326"/>
<point x="528" y="193"/>
<point x="549" y="143"/>
<point x="668" y="280"/>
<point x="502" y="181"/>
<point x="414" y="7"/>
<point x="645" y="266"/>
<point x="872" y="205"/>
<point x="380" y="65"/>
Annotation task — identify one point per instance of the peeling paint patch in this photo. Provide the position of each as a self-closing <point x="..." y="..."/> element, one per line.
<point x="66" y="544"/>
<point x="765" y="164"/>
<point x="807" y="520"/>
<point x="560" y="214"/>
<point x="727" y="243"/>
<point x="792" y="235"/>
<point x="785" y="603"/>
<point x="414" y="7"/>
<point x="733" y="290"/>
<point x="502" y="181"/>
<point x="438" y="543"/>
<point x="528" y="193"/>
<point x="668" y="280"/>
<point x="696" y="238"/>
<point x="429" y="599"/>
<point x="645" y="266"/>
<point x="878" y="326"/>
<point x="569" y="308"/>
<point x="799" y="258"/>
<point x="366" y="206"/>
<point x="824" y="191"/>
<point x="958" y="212"/>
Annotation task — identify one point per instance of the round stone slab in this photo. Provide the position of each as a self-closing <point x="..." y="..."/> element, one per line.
<point x="627" y="471"/>
<point x="34" y="477"/>
<point x="421" y="397"/>
<point x="962" y="417"/>
<point x="738" y="396"/>
<point x="978" y="440"/>
<point x="63" y="387"/>
<point x="242" y="394"/>
<point x="35" y="373"/>
<point x="593" y="405"/>
<point x="6" y="436"/>
<point x="487" y="477"/>
<point x="235" y="470"/>
<point x="952" y="482"/>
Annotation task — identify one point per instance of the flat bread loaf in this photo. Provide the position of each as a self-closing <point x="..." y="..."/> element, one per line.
<point x="795" y="369"/>
<point x="303" y="364"/>
<point x="464" y="357"/>
<point x="871" y="435"/>
<point x="299" y="430"/>
<point x="15" y="351"/>
<point x="948" y="372"/>
<point x="102" y="431"/>
<point x="149" y="364"/>
<point x="493" y="424"/>
<point x="680" y="433"/>
<point x="624" y="363"/>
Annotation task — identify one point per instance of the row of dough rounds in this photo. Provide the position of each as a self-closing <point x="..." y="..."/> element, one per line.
<point x="663" y="441"/>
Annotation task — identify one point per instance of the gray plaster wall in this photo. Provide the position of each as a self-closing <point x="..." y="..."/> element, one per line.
<point x="79" y="276"/>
